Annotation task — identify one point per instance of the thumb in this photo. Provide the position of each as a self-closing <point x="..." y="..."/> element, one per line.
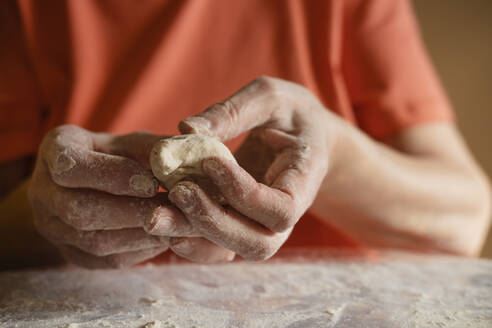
<point x="136" y="145"/>
<point x="250" y="107"/>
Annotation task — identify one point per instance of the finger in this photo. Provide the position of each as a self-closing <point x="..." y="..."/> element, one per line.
<point x="298" y="153"/>
<point x="276" y="139"/>
<point x="249" y="107"/>
<point x="201" y="250"/>
<point x="71" y="155"/>
<point x="225" y="227"/>
<point x="137" y="145"/>
<point x="99" y="243"/>
<point x="114" y="261"/>
<point x="278" y="207"/>
<point x="86" y="209"/>
<point x="174" y="225"/>
<point x="299" y="169"/>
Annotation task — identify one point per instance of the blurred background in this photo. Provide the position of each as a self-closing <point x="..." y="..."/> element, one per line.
<point x="458" y="35"/>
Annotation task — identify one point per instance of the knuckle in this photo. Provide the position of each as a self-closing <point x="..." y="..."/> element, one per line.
<point x="76" y="219"/>
<point x="284" y="222"/>
<point x="262" y="251"/>
<point x="61" y="146"/>
<point x="51" y="135"/>
<point x="94" y="244"/>
<point x="69" y="129"/>
<point x="299" y="158"/>
<point x="302" y="151"/>
<point x="70" y="207"/>
<point x="248" y="194"/>
<point x="58" y="134"/>
<point x="73" y="218"/>
<point x="187" y="198"/>
<point x="265" y="83"/>
<point x="61" y="161"/>
<point x="84" y="212"/>
<point x="209" y="224"/>
<point x="227" y="109"/>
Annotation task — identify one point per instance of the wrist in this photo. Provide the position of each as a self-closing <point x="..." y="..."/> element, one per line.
<point x="337" y="139"/>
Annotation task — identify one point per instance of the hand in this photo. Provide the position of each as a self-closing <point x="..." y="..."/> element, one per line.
<point x="284" y="160"/>
<point x="93" y="193"/>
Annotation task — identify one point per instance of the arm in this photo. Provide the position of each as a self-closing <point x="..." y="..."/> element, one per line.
<point x="424" y="192"/>
<point x="420" y="189"/>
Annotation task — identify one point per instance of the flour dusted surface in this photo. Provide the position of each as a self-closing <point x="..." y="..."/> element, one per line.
<point x="398" y="290"/>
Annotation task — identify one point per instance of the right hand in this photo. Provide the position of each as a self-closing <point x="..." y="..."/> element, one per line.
<point x="93" y="193"/>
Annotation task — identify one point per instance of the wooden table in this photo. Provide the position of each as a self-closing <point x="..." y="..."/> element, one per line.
<point x="299" y="289"/>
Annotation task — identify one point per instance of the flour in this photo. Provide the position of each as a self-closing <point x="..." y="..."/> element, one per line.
<point x="399" y="291"/>
<point x="70" y="325"/>
<point x="335" y="313"/>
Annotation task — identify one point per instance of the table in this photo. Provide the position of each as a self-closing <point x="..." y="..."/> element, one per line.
<point x="298" y="289"/>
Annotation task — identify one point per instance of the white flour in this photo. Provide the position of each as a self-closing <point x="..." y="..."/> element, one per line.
<point x="414" y="292"/>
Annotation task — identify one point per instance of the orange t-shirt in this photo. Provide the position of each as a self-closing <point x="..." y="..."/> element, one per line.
<point x="125" y="65"/>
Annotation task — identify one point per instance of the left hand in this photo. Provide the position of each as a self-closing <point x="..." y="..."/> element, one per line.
<point x="282" y="164"/>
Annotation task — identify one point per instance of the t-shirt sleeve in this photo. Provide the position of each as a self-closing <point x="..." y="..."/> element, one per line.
<point x="20" y="104"/>
<point x="391" y="82"/>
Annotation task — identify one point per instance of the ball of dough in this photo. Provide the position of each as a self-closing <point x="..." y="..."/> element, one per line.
<point x="180" y="158"/>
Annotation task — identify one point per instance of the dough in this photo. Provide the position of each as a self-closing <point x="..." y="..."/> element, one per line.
<point x="180" y="158"/>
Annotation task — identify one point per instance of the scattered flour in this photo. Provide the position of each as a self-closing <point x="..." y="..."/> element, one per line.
<point x="153" y="324"/>
<point x="394" y="291"/>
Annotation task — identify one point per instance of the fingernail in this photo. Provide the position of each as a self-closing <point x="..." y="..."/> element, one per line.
<point x="198" y="124"/>
<point x="214" y="168"/>
<point x="159" y="225"/>
<point x="230" y="257"/>
<point x="211" y="164"/>
<point x="183" y="247"/>
<point x="143" y="184"/>
<point x="63" y="162"/>
<point x="182" y="195"/>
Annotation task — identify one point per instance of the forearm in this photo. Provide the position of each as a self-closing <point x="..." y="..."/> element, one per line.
<point x="386" y="198"/>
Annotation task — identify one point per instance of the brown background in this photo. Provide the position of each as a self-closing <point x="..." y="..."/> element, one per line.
<point x="458" y="35"/>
